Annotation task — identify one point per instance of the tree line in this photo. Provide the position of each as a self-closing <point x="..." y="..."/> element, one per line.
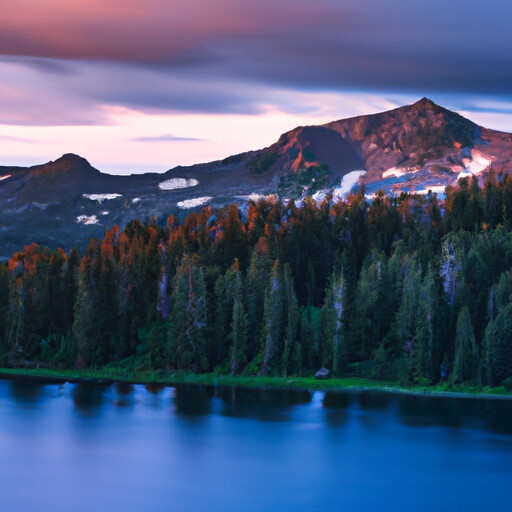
<point x="404" y="288"/>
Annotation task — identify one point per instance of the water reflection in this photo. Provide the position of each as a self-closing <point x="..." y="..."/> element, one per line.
<point x="88" y="396"/>
<point x="125" y="395"/>
<point x="193" y="400"/>
<point x="336" y="405"/>
<point x="263" y="404"/>
<point x="249" y="449"/>
<point x="374" y="400"/>
<point x="154" y="389"/>
<point x="427" y="411"/>
<point x="28" y="392"/>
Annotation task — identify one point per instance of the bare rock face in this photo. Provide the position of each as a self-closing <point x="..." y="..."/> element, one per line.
<point x="415" y="148"/>
<point x="322" y="374"/>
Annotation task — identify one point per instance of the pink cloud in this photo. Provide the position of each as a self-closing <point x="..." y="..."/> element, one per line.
<point x="149" y="30"/>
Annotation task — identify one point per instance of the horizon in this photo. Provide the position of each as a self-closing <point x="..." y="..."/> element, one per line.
<point x="126" y="172"/>
<point x="147" y="87"/>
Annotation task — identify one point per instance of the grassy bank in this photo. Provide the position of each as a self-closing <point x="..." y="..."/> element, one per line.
<point x="310" y="383"/>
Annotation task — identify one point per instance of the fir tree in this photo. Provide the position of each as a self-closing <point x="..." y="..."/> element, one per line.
<point x="273" y="322"/>
<point x="465" y="366"/>
<point x="423" y="343"/>
<point x="292" y="357"/>
<point x="239" y="336"/>
<point x="334" y="353"/>
<point x="498" y="347"/>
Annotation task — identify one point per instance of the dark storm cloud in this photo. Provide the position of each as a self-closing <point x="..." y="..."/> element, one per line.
<point x="228" y="55"/>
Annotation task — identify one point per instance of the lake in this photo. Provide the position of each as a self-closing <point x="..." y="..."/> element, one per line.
<point x="95" y="448"/>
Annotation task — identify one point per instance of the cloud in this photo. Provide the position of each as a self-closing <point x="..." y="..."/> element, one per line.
<point x="23" y="140"/>
<point x="67" y="63"/>
<point x="165" y="138"/>
<point x="296" y="43"/>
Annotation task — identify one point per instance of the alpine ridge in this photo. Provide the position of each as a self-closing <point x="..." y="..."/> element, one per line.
<point x="418" y="148"/>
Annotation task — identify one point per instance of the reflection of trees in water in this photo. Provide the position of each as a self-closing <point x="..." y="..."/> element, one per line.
<point x="193" y="400"/>
<point x="124" y="392"/>
<point x="26" y="391"/>
<point x="427" y="411"/>
<point x="336" y="405"/>
<point x="154" y="389"/>
<point x="374" y="400"/>
<point x="88" y="396"/>
<point x="263" y="404"/>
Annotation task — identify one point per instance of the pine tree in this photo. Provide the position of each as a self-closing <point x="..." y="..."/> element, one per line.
<point x="465" y="367"/>
<point x="189" y="341"/>
<point x="4" y="307"/>
<point x="239" y="336"/>
<point x="88" y="337"/>
<point x="257" y="280"/>
<point x="334" y="354"/>
<point x="310" y="334"/>
<point x="498" y="347"/>
<point x="406" y="323"/>
<point x="423" y="343"/>
<point x="15" y="331"/>
<point x="292" y="356"/>
<point x="452" y="255"/>
<point x="273" y="322"/>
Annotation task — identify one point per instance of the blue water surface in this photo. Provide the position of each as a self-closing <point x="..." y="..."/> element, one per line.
<point x="90" y="447"/>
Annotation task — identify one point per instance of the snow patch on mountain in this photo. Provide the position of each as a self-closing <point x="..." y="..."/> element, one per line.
<point x="136" y="200"/>
<point x="251" y="197"/>
<point x="176" y="183"/>
<point x="101" y="197"/>
<point x="435" y="189"/>
<point x="464" y="174"/>
<point x="477" y="163"/>
<point x="348" y="182"/>
<point x="5" y="177"/>
<point x="393" y="171"/>
<point x="192" y="203"/>
<point x="87" y="219"/>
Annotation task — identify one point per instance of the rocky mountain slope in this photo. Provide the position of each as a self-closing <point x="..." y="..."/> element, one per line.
<point x="415" y="148"/>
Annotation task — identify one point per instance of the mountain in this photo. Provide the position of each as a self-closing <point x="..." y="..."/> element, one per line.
<point x="414" y="148"/>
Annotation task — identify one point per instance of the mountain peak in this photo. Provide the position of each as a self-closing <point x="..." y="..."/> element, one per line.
<point x="72" y="158"/>
<point x="425" y="102"/>
<point x="69" y="162"/>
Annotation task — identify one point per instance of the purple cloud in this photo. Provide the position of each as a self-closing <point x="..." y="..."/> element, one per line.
<point x="230" y="56"/>
<point x="166" y="138"/>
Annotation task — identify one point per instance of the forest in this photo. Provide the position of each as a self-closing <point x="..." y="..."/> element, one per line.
<point x="409" y="289"/>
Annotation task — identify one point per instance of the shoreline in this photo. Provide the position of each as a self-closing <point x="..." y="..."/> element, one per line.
<point x="353" y="384"/>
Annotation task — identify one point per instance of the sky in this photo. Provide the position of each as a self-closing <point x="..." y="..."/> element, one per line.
<point x="145" y="85"/>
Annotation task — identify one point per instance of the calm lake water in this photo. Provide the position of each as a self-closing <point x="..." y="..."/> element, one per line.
<point x="95" y="448"/>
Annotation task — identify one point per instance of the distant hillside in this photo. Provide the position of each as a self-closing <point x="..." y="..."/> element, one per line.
<point x="415" y="148"/>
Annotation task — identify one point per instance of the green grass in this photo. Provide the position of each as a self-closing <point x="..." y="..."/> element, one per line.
<point x="163" y="377"/>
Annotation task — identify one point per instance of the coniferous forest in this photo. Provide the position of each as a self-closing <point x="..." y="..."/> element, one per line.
<point x="409" y="289"/>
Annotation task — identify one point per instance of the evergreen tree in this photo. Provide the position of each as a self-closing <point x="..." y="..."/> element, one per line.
<point x="273" y="322"/>
<point x="423" y="343"/>
<point x="292" y="357"/>
<point x="310" y="334"/>
<point x="15" y="332"/>
<point x="406" y="322"/>
<point x="498" y="347"/>
<point x="4" y="307"/>
<point x="452" y="255"/>
<point x="257" y="281"/>
<point x="189" y="344"/>
<point x="334" y="354"/>
<point x="465" y="367"/>
<point x="370" y="309"/>
<point x="239" y="336"/>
